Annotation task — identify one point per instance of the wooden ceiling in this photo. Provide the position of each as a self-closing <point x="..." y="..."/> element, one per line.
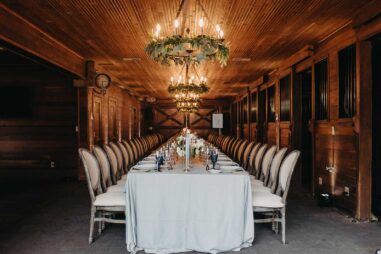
<point x="109" y="31"/>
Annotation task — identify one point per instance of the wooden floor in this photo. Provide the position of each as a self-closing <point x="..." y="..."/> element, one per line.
<point x="53" y="217"/>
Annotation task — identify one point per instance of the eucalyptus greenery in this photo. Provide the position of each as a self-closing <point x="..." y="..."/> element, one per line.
<point x="187" y="88"/>
<point x="176" y="49"/>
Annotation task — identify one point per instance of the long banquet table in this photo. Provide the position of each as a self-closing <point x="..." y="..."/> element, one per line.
<point x="177" y="211"/>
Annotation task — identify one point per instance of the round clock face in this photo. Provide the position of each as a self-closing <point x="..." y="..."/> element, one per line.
<point x="102" y="81"/>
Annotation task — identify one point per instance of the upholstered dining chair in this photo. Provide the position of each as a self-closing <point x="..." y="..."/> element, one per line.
<point x="270" y="184"/>
<point x="266" y="202"/>
<point x="105" y="170"/>
<point x="258" y="160"/>
<point x="102" y="204"/>
<point x="130" y="152"/>
<point x="135" y="150"/>
<point x="239" y="151"/>
<point x="126" y="157"/>
<point x="252" y="155"/>
<point x="245" y="155"/>
<point x="231" y="147"/>
<point x="264" y="168"/>
<point x="119" y="157"/>
<point x="115" y="169"/>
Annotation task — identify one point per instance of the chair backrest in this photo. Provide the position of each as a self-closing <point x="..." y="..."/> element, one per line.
<point x="119" y="156"/>
<point x="113" y="163"/>
<point x="258" y="160"/>
<point x="274" y="169"/>
<point x="285" y="173"/>
<point x="266" y="163"/>
<point x="245" y="154"/>
<point x="240" y="149"/>
<point x="130" y="152"/>
<point x="134" y="150"/>
<point x="252" y="156"/>
<point x="234" y="152"/>
<point x="126" y="157"/>
<point x="92" y="171"/>
<point x="232" y="147"/>
<point x="104" y="166"/>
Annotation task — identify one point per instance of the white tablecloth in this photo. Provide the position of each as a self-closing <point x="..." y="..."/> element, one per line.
<point x="174" y="211"/>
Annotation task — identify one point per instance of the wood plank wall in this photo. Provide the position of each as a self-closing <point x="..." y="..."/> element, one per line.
<point x="167" y="120"/>
<point x="336" y="141"/>
<point x="112" y="116"/>
<point x="49" y="134"/>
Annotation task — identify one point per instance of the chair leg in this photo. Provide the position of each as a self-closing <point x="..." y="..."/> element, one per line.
<point x="283" y="214"/>
<point x="92" y="224"/>
<point x="100" y="223"/>
<point x="276" y="222"/>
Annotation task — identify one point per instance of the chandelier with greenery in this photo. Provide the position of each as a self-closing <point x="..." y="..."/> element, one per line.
<point x="188" y="50"/>
<point x="187" y="90"/>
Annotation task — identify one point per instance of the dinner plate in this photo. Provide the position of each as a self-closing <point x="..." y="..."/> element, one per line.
<point x="146" y="162"/>
<point x="223" y="159"/>
<point x="214" y="171"/>
<point x="150" y="158"/>
<point x="230" y="168"/>
<point x="227" y="163"/>
<point x="145" y="166"/>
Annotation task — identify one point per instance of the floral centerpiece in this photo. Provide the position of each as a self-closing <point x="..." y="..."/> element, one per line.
<point x="180" y="142"/>
<point x="197" y="146"/>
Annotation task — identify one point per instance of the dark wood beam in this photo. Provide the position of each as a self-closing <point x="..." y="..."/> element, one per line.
<point x="21" y="33"/>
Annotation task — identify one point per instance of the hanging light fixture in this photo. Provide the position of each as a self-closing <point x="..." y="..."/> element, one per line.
<point x="187" y="90"/>
<point x="184" y="46"/>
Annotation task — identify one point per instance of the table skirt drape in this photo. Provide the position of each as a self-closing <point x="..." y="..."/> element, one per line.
<point x="173" y="211"/>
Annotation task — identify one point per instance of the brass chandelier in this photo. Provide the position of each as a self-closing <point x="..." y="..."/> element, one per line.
<point x="188" y="50"/>
<point x="187" y="90"/>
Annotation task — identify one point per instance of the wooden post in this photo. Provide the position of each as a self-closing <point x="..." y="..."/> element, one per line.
<point x="363" y="127"/>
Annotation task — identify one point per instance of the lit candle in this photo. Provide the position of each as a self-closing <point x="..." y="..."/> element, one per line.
<point x="218" y="29"/>
<point x="201" y="24"/>
<point x="221" y="34"/>
<point x="177" y="24"/>
<point x="171" y="80"/>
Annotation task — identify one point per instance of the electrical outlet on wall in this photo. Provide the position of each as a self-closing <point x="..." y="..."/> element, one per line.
<point x="52" y="165"/>
<point x="320" y="180"/>
<point x="346" y="190"/>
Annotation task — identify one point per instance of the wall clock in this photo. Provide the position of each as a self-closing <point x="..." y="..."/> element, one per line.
<point x="102" y="81"/>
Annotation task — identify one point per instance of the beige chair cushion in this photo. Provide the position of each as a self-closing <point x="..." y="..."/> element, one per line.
<point x="266" y="200"/>
<point x="122" y="181"/>
<point x="111" y="199"/>
<point x="117" y="188"/>
<point x="260" y="188"/>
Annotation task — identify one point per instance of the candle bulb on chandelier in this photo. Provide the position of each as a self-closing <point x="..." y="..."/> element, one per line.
<point x="177" y="24"/>
<point x="201" y="24"/>
<point x="218" y="29"/>
<point x="221" y="34"/>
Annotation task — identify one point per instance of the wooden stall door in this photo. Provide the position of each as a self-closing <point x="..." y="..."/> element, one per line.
<point x="304" y="79"/>
<point x="261" y="129"/>
<point x="112" y="119"/>
<point x="97" y="119"/>
<point x="376" y="167"/>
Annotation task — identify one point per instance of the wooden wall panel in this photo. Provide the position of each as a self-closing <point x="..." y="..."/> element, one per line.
<point x="338" y="160"/>
<point x="168" y="121"/>
<point x="47" y="138"/>
<point x="114" y="115"/>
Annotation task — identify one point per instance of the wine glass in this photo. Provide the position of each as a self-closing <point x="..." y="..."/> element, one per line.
<point x="213" y="158"/>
